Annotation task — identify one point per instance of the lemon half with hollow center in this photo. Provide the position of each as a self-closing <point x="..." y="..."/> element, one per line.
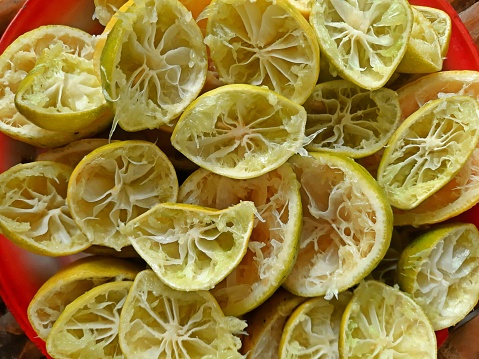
<point x="33" y="210"/>
<point x="365" y="40"/>
<point x="153" y="63"/>
<point x="263" y="43"/>
<point x="240" y="131"/>
<point x="160" y="322"/>
<point x="192" y="247"/>
<point x="428" y="149"/>
<point x="440" y="270"/>
<point x="272" y="246"/>
<point x="347" y="225"/>
<point x="116" y="183"/>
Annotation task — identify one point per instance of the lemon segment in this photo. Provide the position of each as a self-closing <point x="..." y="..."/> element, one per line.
<point x="69" y="283"/>
<point x="347" y="225"/>
<point x="220" y="132"/>
<point x="88" y="327"/>
<point x="440" y="270"/>
<point x="33" y="210"/>
<point x="191" y="247"/>
<point x="266" y="323"/>
<point x="272" y="246"/>
<point x="428" y="150"/>
<point x="263" y="43"/>
<point x="382" y="321"/>
<point x="17" y="61"/>
<point x="344" y="118"/>
<point x="62" y="92"/>
<point x="312" y="330"/>
<point x="160" y="322"/>
<point x="423" y="53"/>
<point x="105" y="9"/>
<point x="116" y="183"/>
<point x="364" y="40"/>
<point x="153" y="63"/>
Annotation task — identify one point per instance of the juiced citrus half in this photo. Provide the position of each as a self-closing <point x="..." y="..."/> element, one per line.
<point x="440" y="270"/>
<point x="33" y="210"/>
<point x="17" y="61"/>
<point x="381" y="321"/>
<point x="153" y="63"/>
<point x="62" y="92"/>
<point x="272" y="246"/>
<point x="115" y="184"/>
<point x="69" y="283"/>
<point x="312" y="330"/>
<point x="441" y="23"/>
<point x="192" y="247"/>
<point x="344" y="118"/>
<point x="364" y="40"/>
<point x="160" y="322"/>
<point x="428" y="150"/>
<point x="240" y="131"/>
<point x="263" y="43"/>
<point x="347" y="225"/>
<point x="88" y="326"/>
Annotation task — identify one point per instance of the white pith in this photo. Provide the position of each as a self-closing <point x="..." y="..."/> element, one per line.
<point x="223" y="134"/>
<point x="261" y="43"/>
<point x="269" y="255"/>
<point x="344" y="118"/>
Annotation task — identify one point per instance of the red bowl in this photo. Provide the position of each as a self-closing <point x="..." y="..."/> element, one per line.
<point x="21" y="272"/>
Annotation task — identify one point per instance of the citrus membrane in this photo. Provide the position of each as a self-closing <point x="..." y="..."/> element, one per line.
<point x="263" y="43"/>
<point x="17" y="61"/>
<point x="381" y="321"/>
<point x="312" y="330"/>
<point x="116" y="183"/>
<point x="72" y="153"/>
<point x="33" y="209"/>
<point x="265" y="324"/>
<point x="88" y="327"/>
<point x="69" y="283"/>
<point x="364" y="40"/>
<point x="344" y="118"/>
<point x="347" y="225"/>
<point x="105" y="9"/>
<point x="153" y="63"/>
<point x="272" y="246"/>
<point x="160" y="322"/>
<point x="457" y="196"/>
<point x="219" y="131"/>
<point x="423" y="52"/>
<point x="428" y="149"/>
<point x="191" y="247"/>
<point x="62" y="92"/>
<point x="441" y="23"/>
<point x="440" y="270"/>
